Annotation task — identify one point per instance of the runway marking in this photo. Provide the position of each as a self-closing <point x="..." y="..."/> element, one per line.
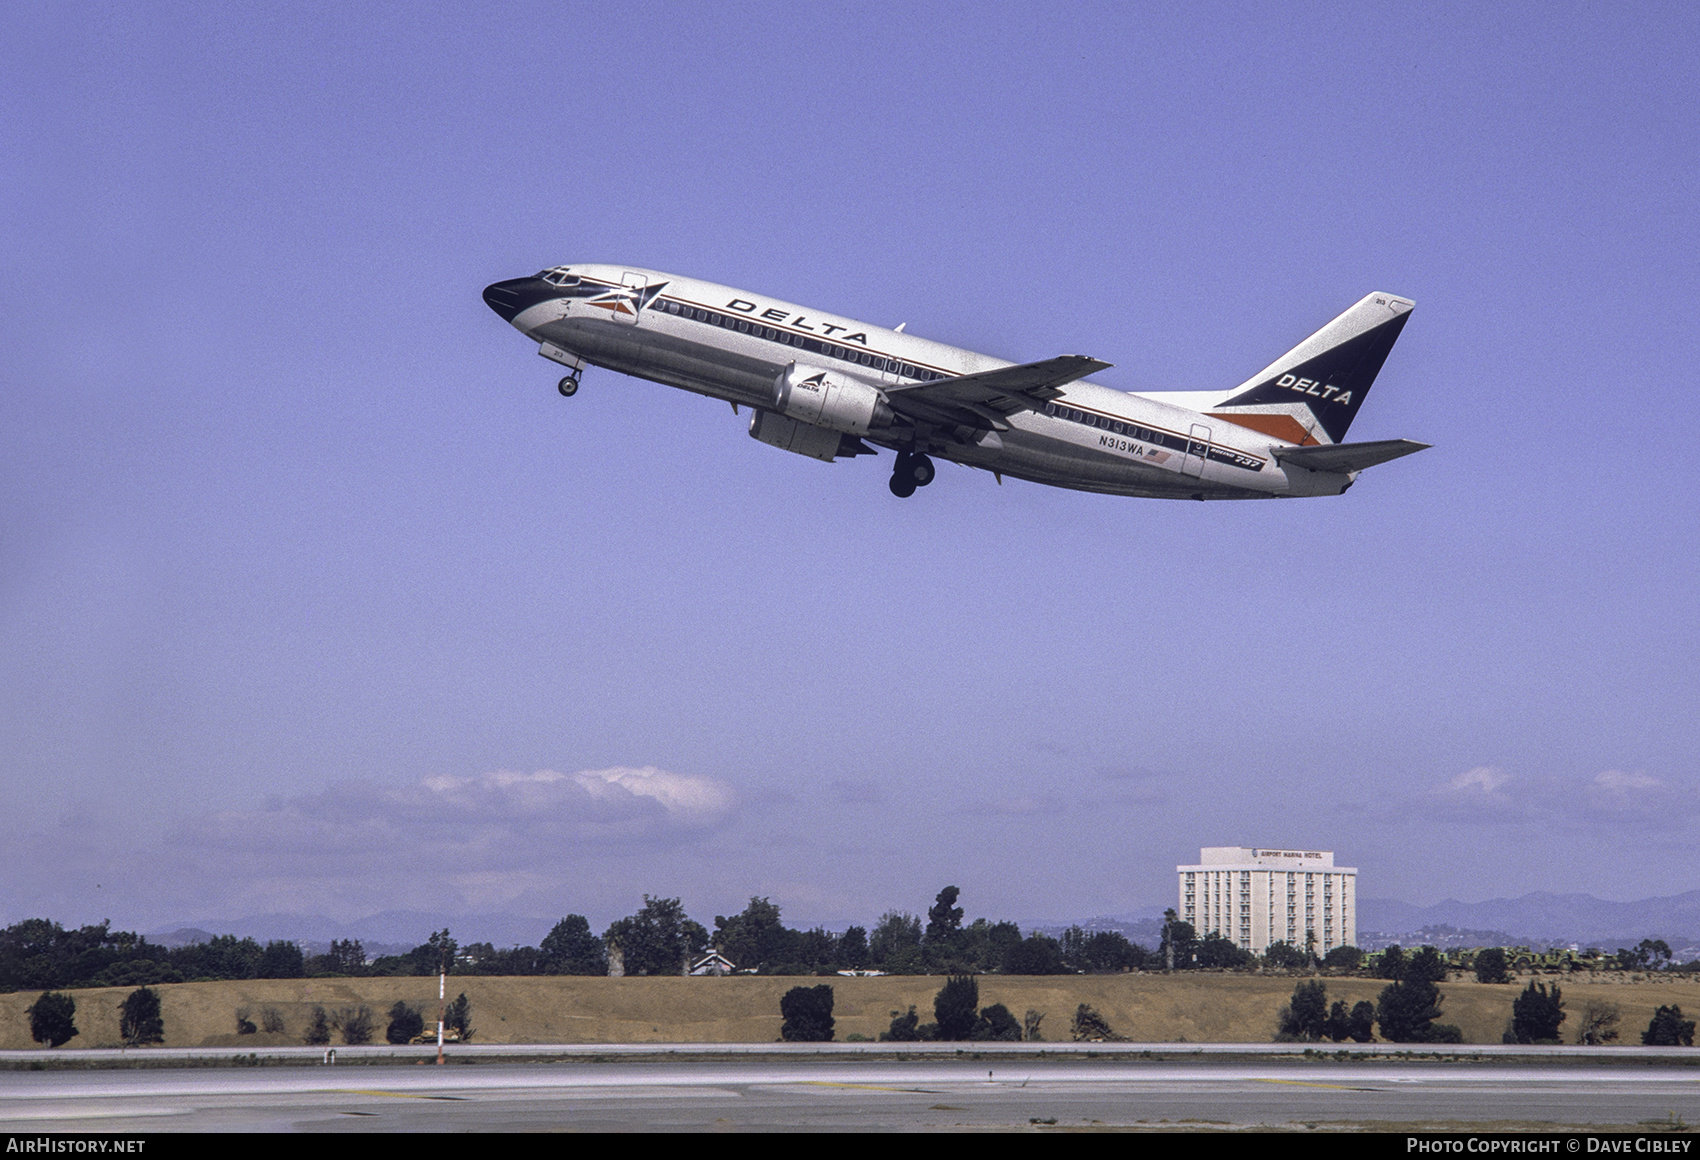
<point x="1339" y="1087"/>
<point x="866" y="1087"/>
<point x="391" y="1095"/>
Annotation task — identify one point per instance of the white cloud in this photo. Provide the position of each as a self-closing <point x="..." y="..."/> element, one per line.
<point x="1475" y="797"/>
<point x="500" y="821"/>
<point x="1616" y="781"/>
<point x="1483" y="778"/>
<point x="357" y="847"/>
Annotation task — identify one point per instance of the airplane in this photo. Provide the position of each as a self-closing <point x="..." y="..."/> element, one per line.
<point x="828" y="387"/>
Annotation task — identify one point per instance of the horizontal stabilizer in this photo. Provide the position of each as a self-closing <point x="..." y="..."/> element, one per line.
<point x="1348" y="456"/>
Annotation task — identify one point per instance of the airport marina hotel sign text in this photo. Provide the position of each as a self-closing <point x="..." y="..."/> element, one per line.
<point x="1254" y="897"/>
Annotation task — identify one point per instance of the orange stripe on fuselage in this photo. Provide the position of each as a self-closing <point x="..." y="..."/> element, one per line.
<point x="1280" y="426"/>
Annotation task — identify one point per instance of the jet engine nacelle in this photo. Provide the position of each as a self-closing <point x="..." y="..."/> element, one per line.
<point x="829" y="399"/>
<point x="803" y="438"/>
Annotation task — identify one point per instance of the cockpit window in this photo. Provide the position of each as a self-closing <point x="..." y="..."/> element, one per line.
<point x="559" y="276"/>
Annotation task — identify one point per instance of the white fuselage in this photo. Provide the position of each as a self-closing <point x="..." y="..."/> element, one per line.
<point x="733" y="344"/>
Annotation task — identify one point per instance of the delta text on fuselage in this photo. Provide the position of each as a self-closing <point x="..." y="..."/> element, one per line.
<point x="830" y="388"/>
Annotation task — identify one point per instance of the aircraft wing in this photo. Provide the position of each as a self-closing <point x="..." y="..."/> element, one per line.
<point x="1348" y="456"/>
<point x="986" y="400"/>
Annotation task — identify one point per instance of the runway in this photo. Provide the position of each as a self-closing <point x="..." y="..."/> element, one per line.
<point x="833" y="1094"/>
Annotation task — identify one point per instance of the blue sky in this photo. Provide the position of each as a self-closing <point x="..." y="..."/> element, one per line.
<point x="315" y="597"/>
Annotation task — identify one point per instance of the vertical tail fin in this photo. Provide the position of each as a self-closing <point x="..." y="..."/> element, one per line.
<point x="1331" y="371"/>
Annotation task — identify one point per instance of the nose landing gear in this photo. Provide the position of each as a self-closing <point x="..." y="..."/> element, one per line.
<point x="911" y="471"/>
<point x="568" y="386"/>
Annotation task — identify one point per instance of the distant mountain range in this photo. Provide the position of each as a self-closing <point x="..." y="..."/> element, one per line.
<point x="389" y="932"/>
<point x="1540" y="918"/>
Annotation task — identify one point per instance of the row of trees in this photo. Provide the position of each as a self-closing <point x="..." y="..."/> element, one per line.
<point x="661" y="939"/>
<point x="1495" y="964"/>
<point x="1408" y="1010"/>
<point x="53" y="1018"/>
<point x="53" y="1021"/>
<point x="38" y="954"/>
<point x="957" y="1017"/>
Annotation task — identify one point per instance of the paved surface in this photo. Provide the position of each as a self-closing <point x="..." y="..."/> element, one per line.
<point x="847" y="1094"/>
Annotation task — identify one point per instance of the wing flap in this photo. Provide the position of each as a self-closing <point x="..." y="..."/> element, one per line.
<point x="1348" y="456"/>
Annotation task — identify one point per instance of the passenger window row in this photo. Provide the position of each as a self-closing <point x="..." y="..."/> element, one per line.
<point x="1117" y="426"/>
<point x="1200" y="447"/>
<point x="802" y="342"/>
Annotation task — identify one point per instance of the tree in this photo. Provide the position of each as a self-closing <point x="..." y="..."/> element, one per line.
<point x="52" y="1018"/>
<point x="282" y="960"/>
<point x="1338" y="1025"/>
<point x="1669" y="1029"/>
<point x="812" y="952"/>
<point x="894" y="944"/>
<point x="458" y="1017"/>
<point x="904" y="1028"/>
<point x="1535" y="1015"/>
<point x="983" y="945"/>
<point x="1343" y="958"/>
<point x="436" y="954"/>
<point x="1100" y="951"/>
<point x="657" y="940"/>
<point x="406" y="1024"/>
<point x="944" y="920"/>
<point x="808" y="1015"/>
<point x="956" y="1007"/>
<point x="1598" y="1022"/>
<point x="318" y="1028"/>
<point x="346" y="957"/>
<point x="853" y="948"/>
<point x="1091" y="1027"/>
<point x="1407" y="1011"/>
<point x="1037" y="954"/>
<point x="1030" y="1025"/>
<point x="484" y="959"/>
<point x="139" y="1020"/>
<point x="1360" y="1026"/>
<point x="1652" y="954"/>
<point x="756" y="939"/>
<point x="355" y="1023"/>
<point x="570" y="949"/>
<point x="1216" y="951"/>
<point x="1285" y="956"/>
<point x="1426" y="966"/>
<point x="1392" y="965"/>
<point x="221" y="957"/>
<point x="1492" y="967"/>
<point x="998" y="1024"/>
<point x="1179" y="940"/>
<point x="1305" y="1017"/>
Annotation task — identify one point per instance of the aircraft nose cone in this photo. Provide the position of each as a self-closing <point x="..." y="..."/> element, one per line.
<point x="506" y="298"/>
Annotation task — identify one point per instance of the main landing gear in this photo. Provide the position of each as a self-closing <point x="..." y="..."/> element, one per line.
<point x="569" y="385"/>
<point x="912" y="471"/>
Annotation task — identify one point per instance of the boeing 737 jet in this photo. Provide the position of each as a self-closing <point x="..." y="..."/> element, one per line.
<point x="829" y="387"/>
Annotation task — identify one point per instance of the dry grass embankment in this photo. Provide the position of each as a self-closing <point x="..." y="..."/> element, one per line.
<point x="1153" y="1008"/>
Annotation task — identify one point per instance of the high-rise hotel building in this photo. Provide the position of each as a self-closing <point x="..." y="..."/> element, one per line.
<point x="1255" y="897"/>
